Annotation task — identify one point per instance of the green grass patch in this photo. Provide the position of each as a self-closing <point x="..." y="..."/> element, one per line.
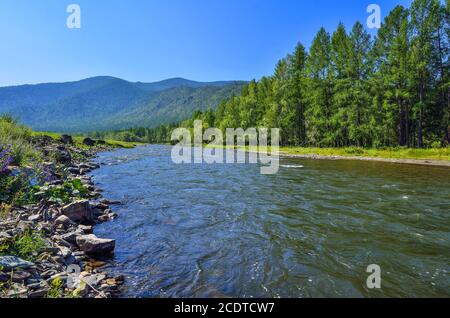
<point x="78" y="141"/>
<point x="440" y="154"/>
<point x="385" y="153"/>
<point x="26" y="246"/>
<point x="19" y="138"/>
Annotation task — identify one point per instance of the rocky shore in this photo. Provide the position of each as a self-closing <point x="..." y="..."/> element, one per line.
<point x="65" y="258"/>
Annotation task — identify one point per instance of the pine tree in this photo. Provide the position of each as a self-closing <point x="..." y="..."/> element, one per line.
<point x="320" y="88"/>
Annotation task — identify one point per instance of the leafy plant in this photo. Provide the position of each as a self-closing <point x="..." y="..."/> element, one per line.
<point x="55" y="289"/>
<point x="65" y="193"/>
<point x="26" y="246"/>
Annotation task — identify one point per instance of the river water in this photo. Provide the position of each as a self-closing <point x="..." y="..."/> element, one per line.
<point x="309" y="231"/>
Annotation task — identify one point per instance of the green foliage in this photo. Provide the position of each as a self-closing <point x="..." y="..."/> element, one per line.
<point x="26" y="246"/>
<point x="350" y="90"/>
<point x="16" y="189"/>
<point x="12" y="133"/>
<point x="65" y="193"/>
<point x="56" y="289"/>
<point x="110" y="103"/>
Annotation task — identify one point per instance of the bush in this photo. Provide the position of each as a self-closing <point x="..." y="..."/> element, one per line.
<point x="15" y="189"/>
<point x="17" y="139"/>
<point x="354" y="151"/>
<point x="436" y="145"/>
<point x="26" y="246"/>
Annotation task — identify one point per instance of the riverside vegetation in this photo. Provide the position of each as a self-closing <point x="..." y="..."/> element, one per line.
<point x="48" y="207"/>
<point x="350" y="94"/>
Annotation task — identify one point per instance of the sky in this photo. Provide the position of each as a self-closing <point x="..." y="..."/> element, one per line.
<point x="151" y="40"/>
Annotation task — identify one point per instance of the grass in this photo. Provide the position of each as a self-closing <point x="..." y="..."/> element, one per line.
<point x="78" y="140"/>
<point x="26" y="246"/>
<point x="12" y="133"/>
<point x="438" y="154"/>
<point x="386" y="153"/>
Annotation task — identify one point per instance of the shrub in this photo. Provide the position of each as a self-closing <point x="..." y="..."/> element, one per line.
<point x="436" y="145"/>
<point x="6" y="158"/>
<point x="26" y="246"/>
<point x="15" y="138"/>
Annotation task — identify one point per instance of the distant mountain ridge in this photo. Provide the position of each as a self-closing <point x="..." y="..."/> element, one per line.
<point x="106" y="103"/>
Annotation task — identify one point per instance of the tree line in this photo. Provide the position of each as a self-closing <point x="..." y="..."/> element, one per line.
<point x="349" y="89"/>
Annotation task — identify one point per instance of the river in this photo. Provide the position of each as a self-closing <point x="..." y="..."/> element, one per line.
<point x="309" y="231"/>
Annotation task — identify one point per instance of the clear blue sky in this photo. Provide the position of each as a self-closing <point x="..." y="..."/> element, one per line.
<point x="149" y="40"/>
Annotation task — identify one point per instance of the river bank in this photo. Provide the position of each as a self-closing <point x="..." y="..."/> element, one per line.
<point x="425" y="157"/>
<point x="428" y="157"/>
<point x="47" y="218"/>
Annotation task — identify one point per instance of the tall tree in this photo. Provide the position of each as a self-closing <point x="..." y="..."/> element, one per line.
<point x="320" y="87"/>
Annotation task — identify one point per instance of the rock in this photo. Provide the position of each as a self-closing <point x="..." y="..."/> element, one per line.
<point x="111" y="282"/>
<point x="66" y="139"/>
<point x="60" y="276"/>
<point x="71" y="237"/>
<point x="73" y="170"/>
<point x="88" y="142"/>
<point x="61" y="241"/>
<point x="8" y="263"/>
<point x="40" y="293"/>
<point x="79" y="211"/>
<point x="102" y="206"/>
<point x="103" y="218"/>
<point x="4" y="277"/>
<point x="110" y="202"/>
<point x="86" y="229"/>
<point x="34" y="218"/>
<point x="65" y="252"/>
<point x="95" y="279"/>
<point x="113" y="216"/>
<point x="20" y="276"/>
<point x="48" y="274"/>
<point x="120" y="279"/>
<point x="17" y="291"/>
<point x="63" y="220"/>
<point x="90" y="244"/>
<point x="63" y="156"/>
<point x="38" y="285"/>
<point x="5" y="237"/>
<point x="96" y="264"/>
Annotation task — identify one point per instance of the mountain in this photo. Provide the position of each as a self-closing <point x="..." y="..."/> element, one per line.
<point x="105" y="103"/>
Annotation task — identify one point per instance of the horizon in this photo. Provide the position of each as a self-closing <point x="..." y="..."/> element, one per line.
<point x="164" y="40"/>
<point x="129" y="81"/>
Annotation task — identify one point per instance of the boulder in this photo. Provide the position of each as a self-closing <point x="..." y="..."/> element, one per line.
<point x="41" y="293"/>
<point x="66" y="139"/>
<point x="79" y="211"/>
<point x="63" y="220"/>
<point x="8" y="263"/>
<point x="89" y="142"/>
<point x="71" y="237"/>
<point x="91" y="244"/>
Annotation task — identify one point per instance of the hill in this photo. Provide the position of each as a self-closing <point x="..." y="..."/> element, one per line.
<point x="103" y="103"/>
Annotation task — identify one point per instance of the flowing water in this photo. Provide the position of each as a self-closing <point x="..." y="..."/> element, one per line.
<point x="309" y="231"/>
